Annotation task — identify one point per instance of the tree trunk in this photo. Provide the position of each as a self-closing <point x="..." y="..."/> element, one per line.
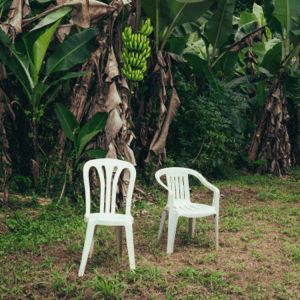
<point x="36" y="170"/>
<point x="270" y="140"/>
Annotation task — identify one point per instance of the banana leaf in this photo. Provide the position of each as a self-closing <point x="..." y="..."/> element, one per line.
<point x="38" y="39"/>
<point x="73" y="51"/>
<point x="18" y="63"/>
<point x="67" y="121"/>
<point x="219" y="27"/>
<point x="90" y="129"/>
<point x="272" y="59"/>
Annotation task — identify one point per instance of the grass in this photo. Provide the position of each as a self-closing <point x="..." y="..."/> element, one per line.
<point x="258" y="257"/>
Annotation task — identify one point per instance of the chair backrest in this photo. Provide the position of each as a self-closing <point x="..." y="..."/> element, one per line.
<point x="109" y="171"/>
<point x="177" y="182"/>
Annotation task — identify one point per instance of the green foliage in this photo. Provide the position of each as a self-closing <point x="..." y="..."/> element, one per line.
<point x="207" y="132"/>
<point x="81" y="137"/>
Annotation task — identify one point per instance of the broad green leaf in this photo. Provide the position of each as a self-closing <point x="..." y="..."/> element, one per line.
<point x="259" y="49"/>
<point x="187" y="12"/>
<point x="272" y="22"/>
<point x="272" y="59"/>
<point x="196" y="63"/>
<point x="67" y="121"/>
<point x="164" y="18"/>
<point x="37" y="93"/>
<point x="261" y="93"/>
<point x="245" y="158"/>
<point x="17" y="63"/>
<point x="246" y="18"/>
<point x="14" y="65"/>
<point x="177" y="45"/>
<point x="52" y="95"/>
<point x="245" y="30"/>
<point x="69" y="76"/>
<point x="73" y="51"/>
<point x="186" y="28"/>
<point x="260" y="161"/>
<point x="237" y="120"/>
<point x="219" y="27"/>
<point x="211" y="77"/>
<point x="259" y="13"/>
<point x="90" y="129"/>
<point x="37" y="43"/>
<point x="286" y="12"/>
<point x="96" y="153"/>
<point x="52" y="17"/>
<point x="227" y="64"/>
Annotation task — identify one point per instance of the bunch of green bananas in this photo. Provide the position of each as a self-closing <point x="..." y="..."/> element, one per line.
<point x="136" y="51"/>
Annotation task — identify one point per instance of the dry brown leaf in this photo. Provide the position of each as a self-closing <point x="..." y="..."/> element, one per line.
<point x="18" y="10"/>
<point x="159" y="145"/>
<point x="113" y="98"/>
<point x="113" y="125"/>
<point x="63" y="31"/>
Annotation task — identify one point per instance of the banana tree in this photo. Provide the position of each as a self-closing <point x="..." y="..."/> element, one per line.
<point x="34" y="77"/>
<point x="80" y="137"/>
<point x="270" y="139"/>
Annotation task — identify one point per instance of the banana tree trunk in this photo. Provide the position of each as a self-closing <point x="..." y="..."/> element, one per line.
<point x="36" y="170"/>
<point x="270" y="140"/>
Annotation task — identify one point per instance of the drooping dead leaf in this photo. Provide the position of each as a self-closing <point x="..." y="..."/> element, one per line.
<point x="248" y="40"/>
<point x="63" y="31"/>
<point x="159" y="141"/>
<point x="113" y="98"/>
<point x="112" y="67"/>
<point x="113" y="125"/>
<point x="18" y="10"/>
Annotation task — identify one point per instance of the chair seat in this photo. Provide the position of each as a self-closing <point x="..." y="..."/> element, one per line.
<point x="109" y="219"/>
<point x="193" y="210"/>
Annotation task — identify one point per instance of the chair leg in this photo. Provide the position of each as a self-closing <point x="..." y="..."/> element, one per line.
<point x="162" y="223"/>
<point x="130" y="246"/>
<point x="93" y="242"/>
<point x="192" y="222"/>
<point x="86" y="248"/>
<point x="173" y="218"/>
<point x="217" y="231"/>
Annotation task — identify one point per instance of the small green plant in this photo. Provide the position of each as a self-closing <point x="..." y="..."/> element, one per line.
<point x="82" y="136"/>
<point x="110" y="289"/>
<point x="253" y="165"/>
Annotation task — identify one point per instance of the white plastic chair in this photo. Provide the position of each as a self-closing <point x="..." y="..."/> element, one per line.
<point x="107" y="215"/>
<point x="179" y="203"/>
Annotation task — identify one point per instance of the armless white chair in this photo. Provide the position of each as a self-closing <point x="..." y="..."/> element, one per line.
<point x="179" y="203"/>
<point x="109" y="171"/>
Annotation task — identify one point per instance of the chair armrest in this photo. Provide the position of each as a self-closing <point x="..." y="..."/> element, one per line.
<point x="213" y="188"/>
<point x="170" y="192"/>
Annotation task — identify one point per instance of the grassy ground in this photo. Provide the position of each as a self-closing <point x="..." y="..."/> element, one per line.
<point x="258" y="257"/>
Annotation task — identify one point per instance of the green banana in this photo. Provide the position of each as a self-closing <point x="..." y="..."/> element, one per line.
<point x="124" y="57"/>
<point x="144" y="69"/>
<point x="139" y="38"/>
<point x="140" y="46"/>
